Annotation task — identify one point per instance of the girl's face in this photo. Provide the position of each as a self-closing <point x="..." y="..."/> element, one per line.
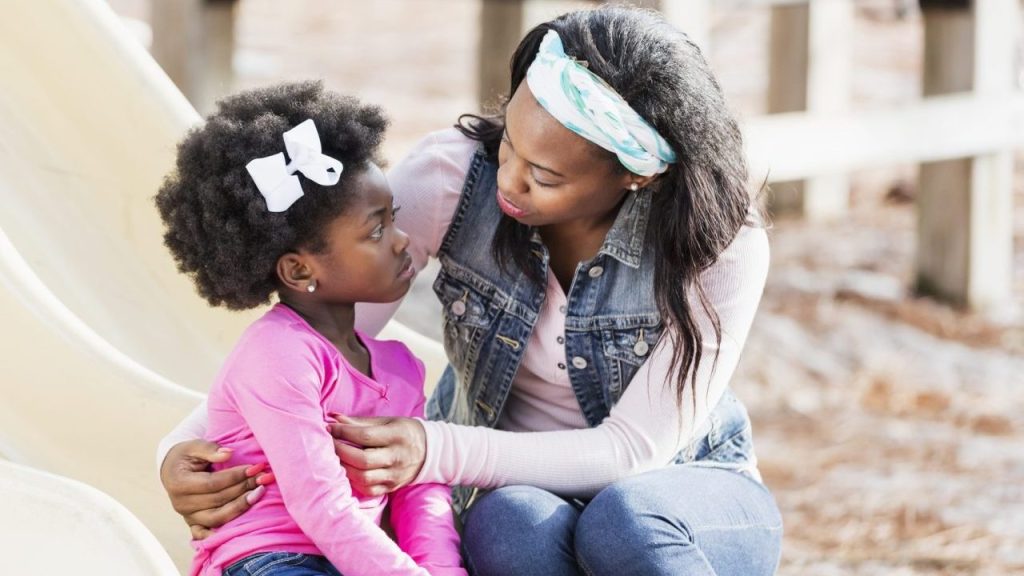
<point x="548" y="175"/>
<point x="365" y="259"/>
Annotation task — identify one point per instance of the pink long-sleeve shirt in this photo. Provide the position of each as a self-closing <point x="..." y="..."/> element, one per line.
<point x="271" y="403"/>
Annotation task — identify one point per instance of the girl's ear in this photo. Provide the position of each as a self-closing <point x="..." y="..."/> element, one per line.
<point x="295" y="271"/>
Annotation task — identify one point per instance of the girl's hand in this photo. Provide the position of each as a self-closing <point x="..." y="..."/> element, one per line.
<point x="206" y="499"/>
<point x="392" y="453"/>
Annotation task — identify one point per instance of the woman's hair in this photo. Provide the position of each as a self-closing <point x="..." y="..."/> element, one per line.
<point x="218" y="226"/>
<point x="699" y="205"/>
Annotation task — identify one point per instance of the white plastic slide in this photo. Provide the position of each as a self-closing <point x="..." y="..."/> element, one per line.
<point x="54" y="525"/>
<point x="105" y="346"/>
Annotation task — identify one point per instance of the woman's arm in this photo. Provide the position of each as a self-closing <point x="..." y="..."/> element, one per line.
<point x="644" y="430"/>
<point x="427" y="185"/>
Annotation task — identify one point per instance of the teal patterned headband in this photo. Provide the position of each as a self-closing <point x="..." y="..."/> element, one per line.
<point x="587" y="105"/>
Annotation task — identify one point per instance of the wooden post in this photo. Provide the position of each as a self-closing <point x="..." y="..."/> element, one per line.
<point x="810" y="69"/>
<point x="194" y="42"/>
<point x="965" y="207"/>
<point x="501" y="28"/>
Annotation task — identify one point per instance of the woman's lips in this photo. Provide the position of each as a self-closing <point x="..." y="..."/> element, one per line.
<point x="510" y="208"/>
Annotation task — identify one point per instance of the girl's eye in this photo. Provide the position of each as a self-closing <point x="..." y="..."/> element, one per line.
<point x="394" y="211"/>
<point x="377" y="233"/>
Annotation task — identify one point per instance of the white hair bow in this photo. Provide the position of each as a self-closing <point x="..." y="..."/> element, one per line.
<point x="277" y="181"/>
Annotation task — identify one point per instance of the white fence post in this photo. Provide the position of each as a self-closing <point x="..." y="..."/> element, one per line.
<point x="810" y="69"/>
<point x="965" y="228"/>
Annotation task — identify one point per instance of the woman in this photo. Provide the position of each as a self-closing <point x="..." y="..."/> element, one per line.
<point x="601" y="264"/>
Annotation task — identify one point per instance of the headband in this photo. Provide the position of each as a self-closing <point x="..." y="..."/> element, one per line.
<point x="587" y="105"/>
<point x="277" y="181"/>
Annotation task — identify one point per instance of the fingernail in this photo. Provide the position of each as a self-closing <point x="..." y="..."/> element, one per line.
<point x="255" y="495"/>
<point x="267" y="478"/>
<point x="224" y="450"/>
<point x="255" y="469"/>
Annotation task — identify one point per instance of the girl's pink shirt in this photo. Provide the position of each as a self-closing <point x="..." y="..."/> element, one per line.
<point x="270" y="403"/>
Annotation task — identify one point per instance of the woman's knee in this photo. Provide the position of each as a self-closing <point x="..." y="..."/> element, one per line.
<point x="518" y="529"/>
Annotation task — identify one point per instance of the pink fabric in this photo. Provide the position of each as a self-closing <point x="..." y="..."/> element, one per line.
<point x="270" y="403"/>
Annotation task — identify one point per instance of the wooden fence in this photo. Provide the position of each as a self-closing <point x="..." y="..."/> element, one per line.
<point x="963" y="131"/>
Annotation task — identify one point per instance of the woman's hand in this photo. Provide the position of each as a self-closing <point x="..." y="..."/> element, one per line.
<point x="391" y="454"/>
<point x="206" y="499"/>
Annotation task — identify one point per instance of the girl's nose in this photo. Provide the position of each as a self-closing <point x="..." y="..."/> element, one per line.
<point x="401" y="240"/>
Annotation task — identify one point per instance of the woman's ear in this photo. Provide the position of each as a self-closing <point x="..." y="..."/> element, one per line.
<point x="641" y="182"/>
<point x="295" y="271"/>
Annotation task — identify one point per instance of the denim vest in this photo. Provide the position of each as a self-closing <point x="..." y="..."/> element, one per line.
<point x="611" y="324"/>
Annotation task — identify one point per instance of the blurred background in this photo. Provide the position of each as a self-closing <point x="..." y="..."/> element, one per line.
<point x="885" y="370"/>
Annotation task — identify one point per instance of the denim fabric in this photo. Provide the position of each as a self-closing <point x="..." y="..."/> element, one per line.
<point x="489" y="316"/>
<point x="721" y="523"/>
<point x="282" y="564"/>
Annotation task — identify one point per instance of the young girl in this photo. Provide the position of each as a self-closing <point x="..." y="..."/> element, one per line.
<point x="279" y="193"/>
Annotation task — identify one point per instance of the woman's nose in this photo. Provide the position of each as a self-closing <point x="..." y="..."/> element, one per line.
<point x="510" y="178"/>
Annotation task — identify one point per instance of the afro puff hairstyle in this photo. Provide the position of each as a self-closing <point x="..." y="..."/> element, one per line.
<point x="217" y="224"/>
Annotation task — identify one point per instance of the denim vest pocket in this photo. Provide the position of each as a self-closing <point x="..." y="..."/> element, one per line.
<point x="729" y="439"/>
<point x="626" y="348"/>
<point x="467" y="314"/>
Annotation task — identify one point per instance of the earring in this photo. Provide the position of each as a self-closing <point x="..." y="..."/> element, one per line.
<point x="634" y="187"/>
<point x="311" y="287"/>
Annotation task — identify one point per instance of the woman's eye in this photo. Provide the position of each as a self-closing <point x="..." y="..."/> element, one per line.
<point x="377" y="233"/>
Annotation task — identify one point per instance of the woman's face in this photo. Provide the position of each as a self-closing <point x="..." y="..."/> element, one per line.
<point x="547" y="174"/>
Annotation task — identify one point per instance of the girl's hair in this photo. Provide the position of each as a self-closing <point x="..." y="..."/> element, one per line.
<point x="218" y="226"/>
<point x="701" y="202"/>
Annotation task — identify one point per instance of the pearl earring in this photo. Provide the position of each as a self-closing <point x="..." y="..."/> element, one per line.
<point x="311" y="287"/>
<point x="634" y="187"/>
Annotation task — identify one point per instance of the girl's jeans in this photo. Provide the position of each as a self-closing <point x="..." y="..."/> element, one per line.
<point x="282" y="564"/>
<point x="681" y="520"/>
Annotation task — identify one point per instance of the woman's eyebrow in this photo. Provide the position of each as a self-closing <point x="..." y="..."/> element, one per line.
<point x="534" y="164"/>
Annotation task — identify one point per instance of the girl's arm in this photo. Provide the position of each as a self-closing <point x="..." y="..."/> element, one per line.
<point x="643" y="431"/>
<point x="276" y="389"/>
<point x="424" y="523"/>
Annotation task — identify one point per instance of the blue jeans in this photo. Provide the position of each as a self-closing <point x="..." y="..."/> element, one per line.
<point x="281" y="564"/>
<point x="681" y="521"/>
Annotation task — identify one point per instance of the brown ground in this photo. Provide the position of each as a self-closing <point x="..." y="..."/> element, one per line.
<point x="889" y="426"/>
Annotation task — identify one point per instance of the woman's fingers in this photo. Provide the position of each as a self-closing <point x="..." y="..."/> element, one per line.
<point x="216" y="517"/>
<point x="364" y="459"/>
<point x="234" y="485"/>
<point x="373" y="482"/>
<point x="369" y="432"/>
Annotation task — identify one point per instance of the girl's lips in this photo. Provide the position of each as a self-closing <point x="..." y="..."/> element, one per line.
<point x="407" y="270"/>
<point x="510" y="208"/>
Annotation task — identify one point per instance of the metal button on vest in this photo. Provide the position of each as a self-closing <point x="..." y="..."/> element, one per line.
<point x="579" y="362"/>
<point x="560" y="340"/>
<point x="596" y="271"/>
<point x="641" y="348"/>
<point x="458" y="307"/>
<point x="561" y="309"/>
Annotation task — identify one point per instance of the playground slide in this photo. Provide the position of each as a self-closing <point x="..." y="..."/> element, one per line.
<point x="105" y="346"/>
<point x="54" y="525"/>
